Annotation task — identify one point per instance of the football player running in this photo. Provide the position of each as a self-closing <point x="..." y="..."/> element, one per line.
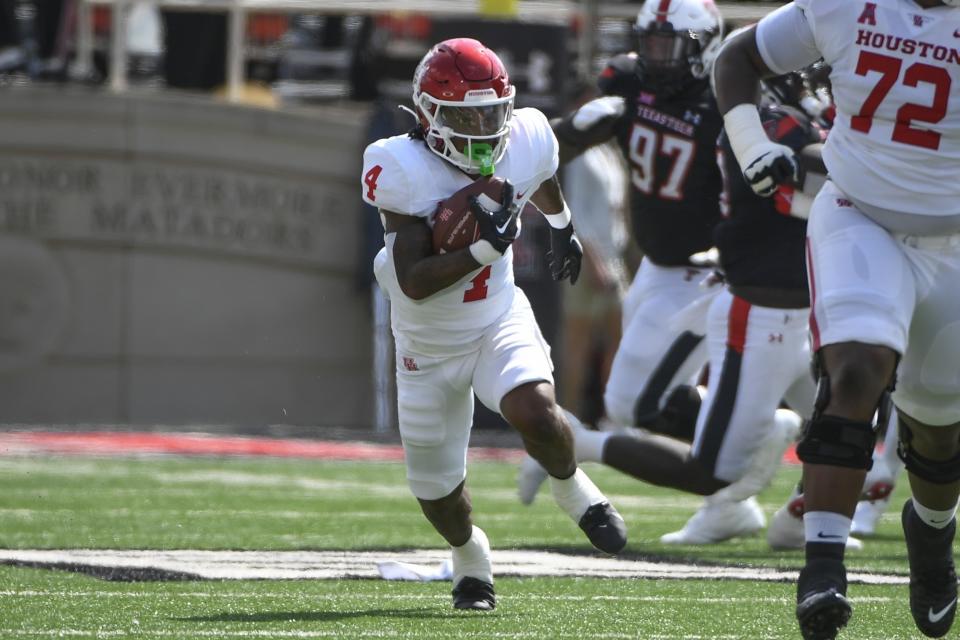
<point x="461" y="325"/>
<point x="883" y="251"/>
<point x="660" y="109"/>
<point x="757" y="325"/>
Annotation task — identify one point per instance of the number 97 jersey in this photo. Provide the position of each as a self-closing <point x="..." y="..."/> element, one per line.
<point x="896" y="83"/>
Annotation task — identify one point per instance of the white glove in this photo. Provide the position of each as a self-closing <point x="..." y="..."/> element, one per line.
<point x="598" y="109"/>
<point x="813" y="105"/>
<point x="768" y="165"/>
<point x="765" y="164"/>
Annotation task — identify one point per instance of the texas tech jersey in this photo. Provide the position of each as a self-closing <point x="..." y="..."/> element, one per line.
<point x="896" y="82"/>
<point x="402" y="176"/>
<point x="760" y="244"/>
<point x="670" y="147"/>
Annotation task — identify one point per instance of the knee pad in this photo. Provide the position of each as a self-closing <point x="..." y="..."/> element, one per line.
<point x="837" y="441"/>
<point x="933" y="471"/>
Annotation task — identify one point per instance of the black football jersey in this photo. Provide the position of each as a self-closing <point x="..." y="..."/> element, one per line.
<point x="671" y="150"/>
<point x="760" y="244"/>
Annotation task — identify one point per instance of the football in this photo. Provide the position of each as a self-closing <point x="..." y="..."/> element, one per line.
<point x="454" y="226"/>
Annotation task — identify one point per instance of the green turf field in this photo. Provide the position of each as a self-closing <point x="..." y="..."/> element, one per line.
<point x="270" y="504"/>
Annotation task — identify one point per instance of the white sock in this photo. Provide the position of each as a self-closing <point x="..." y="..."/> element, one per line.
<point x="826" y="527"/>
<point x="587" y="444"/>
<point x="472" y="558"/>
<point x="575" y="494"/>
<point x="933" y="518"/>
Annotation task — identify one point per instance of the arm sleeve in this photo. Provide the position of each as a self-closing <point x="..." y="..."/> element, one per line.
<point x="786" y="41"/>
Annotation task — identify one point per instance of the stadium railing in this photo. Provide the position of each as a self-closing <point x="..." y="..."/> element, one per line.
<point x="561" y="11"/>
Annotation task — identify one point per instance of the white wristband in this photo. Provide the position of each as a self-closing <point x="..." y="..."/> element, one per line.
<point x="745" y="131"/>
<point x="559" y="220"/>
<point x="484" y="253"/>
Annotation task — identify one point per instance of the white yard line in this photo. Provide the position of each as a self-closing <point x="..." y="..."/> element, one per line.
<point x="314" y="565"/>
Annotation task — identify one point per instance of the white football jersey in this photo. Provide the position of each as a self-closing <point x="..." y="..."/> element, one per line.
<point x="896" y="83"/>
<point x="401" y="175"/>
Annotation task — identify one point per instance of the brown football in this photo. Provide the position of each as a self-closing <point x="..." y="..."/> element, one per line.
<point x="454" y="226"/>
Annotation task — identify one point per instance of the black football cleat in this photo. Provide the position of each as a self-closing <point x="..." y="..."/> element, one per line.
<point x="933" y="579"/>
<point x="475" y="594"/>
<point x="822" y="605"/>
<point x="604" y="527"/>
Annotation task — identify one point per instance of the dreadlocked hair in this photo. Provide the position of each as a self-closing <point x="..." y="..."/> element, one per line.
<point x="417" y="132"/>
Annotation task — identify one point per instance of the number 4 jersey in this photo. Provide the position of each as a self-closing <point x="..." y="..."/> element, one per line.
<point x="402" y="176"/>
<point x="895" y="78"/>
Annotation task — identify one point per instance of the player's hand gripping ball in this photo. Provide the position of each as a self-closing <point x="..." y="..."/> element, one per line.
<point x="454" y="225"/>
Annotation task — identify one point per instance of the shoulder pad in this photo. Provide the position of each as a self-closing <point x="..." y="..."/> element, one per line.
<point x="620" y="76"/>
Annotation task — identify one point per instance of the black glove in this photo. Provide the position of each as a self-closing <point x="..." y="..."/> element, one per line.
<point x="565" y="254"/>
<point x="499" y="227"/>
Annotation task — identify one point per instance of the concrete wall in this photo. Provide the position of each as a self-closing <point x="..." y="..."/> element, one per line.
<point x="169" y="260"/>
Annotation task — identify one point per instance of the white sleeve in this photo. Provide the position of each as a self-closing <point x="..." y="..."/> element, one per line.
<point x="384" y="184"/>
<point x="786" y="41"/>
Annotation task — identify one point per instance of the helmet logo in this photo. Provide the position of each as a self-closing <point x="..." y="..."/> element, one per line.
<point x="476" y="95"/>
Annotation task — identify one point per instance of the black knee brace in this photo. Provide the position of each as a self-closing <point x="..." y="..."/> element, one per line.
<point x="837" y="441"/>
<point x="933" y="471"/>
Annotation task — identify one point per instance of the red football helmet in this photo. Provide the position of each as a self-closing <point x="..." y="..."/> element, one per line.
<point x="464" y="101"/>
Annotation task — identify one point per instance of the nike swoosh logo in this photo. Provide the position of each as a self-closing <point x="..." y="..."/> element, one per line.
<point x="936" y="617"/>
<point x="504" y="227"/>
<point x="521" y="194"/>
<point x="825" y="536"/>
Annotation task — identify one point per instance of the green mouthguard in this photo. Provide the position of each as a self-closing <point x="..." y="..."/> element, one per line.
<point x="482" y="154"/>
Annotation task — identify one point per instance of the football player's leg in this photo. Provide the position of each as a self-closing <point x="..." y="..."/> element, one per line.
<point x="513" y="376"/>
<point x="655" y="353"/>
<point x="435" y="411"/>
<point x="863" y="293"/>
<point x="932" y="459"/>
<point x="756" y="353"/>
<point x="928" y="400"/>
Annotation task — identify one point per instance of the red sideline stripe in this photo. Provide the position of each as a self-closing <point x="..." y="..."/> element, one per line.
<point x="737" y="324"/>
<point x="662" y="10"/>
<point x="126" y="443"/>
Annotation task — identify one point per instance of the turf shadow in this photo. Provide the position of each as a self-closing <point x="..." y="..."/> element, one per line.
<point x="111" y="574"/>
